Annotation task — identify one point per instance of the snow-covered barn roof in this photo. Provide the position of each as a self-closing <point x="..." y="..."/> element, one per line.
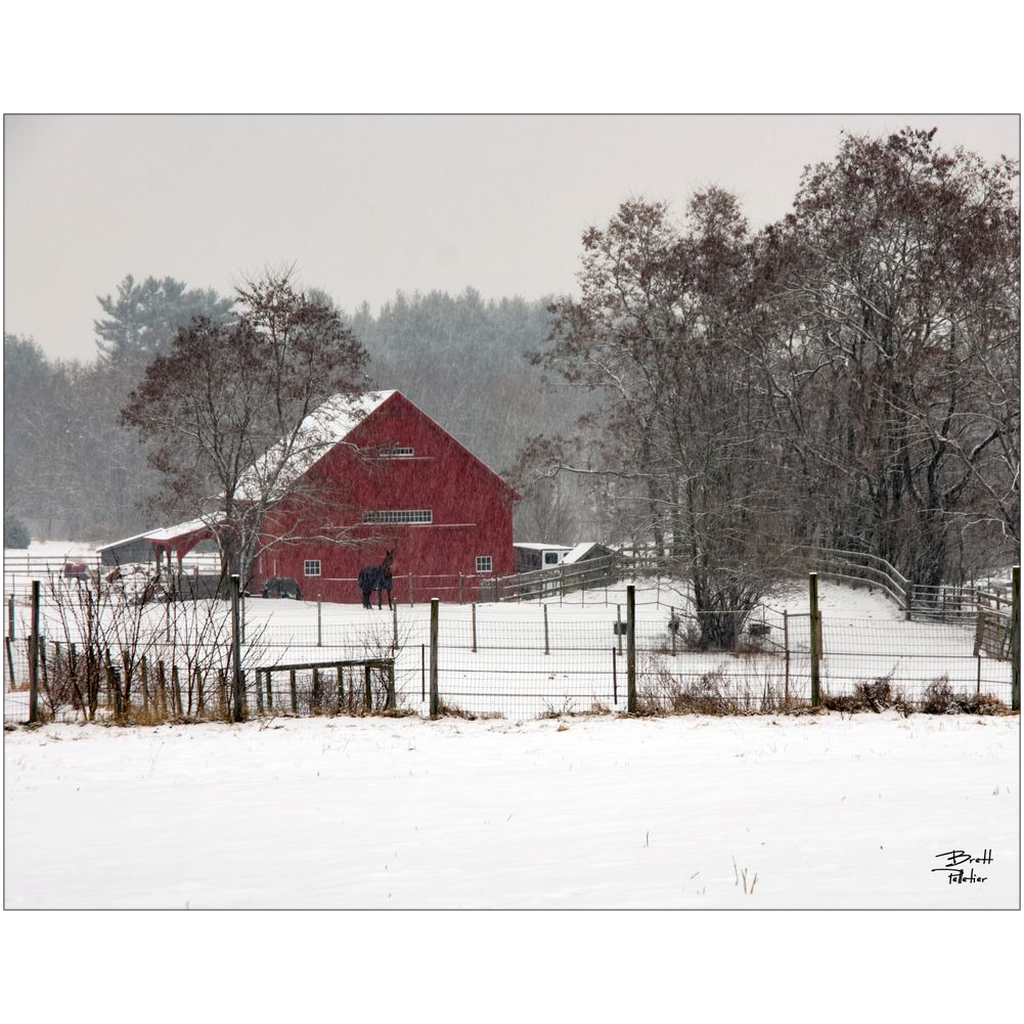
<point x="323" y="428"/>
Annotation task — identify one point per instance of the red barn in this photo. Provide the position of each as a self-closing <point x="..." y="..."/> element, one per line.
<point x="384" y="469"/>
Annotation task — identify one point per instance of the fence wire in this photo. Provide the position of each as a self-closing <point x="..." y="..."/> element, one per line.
<point x="517" y="661"/>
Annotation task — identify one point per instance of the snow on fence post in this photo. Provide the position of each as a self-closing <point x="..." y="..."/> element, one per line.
<point x="1015" y="642"/>
<point x="33" y="660"/>
<point x="812" y="583"/>
<point x="434" y="701"/>
<point x="631" y="649"/>
<point x="236" y="651"/>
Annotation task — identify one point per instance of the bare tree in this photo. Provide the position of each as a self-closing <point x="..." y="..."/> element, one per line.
<point x="238" y="413"/>
<point x="667" y="333"/>
<point x="896" y="354"/>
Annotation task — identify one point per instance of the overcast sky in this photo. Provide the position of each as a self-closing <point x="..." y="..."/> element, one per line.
<point x="367" y="205"/>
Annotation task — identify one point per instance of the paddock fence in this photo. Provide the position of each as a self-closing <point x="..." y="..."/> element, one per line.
<point x="543" y="658"/>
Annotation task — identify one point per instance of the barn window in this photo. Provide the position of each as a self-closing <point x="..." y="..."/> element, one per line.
<point x="399" y="515"/>
<point x="311" y="567"/>
<point x="483" y="563"/>
<point x="397" y="451"/>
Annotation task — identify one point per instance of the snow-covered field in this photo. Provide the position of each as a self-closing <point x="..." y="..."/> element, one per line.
<point x="811" y="811"/>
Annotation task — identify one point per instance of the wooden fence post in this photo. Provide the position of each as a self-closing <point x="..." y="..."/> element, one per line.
<point x="547" y="644"/>
<point x="434" y="700"/>
<point x="631" y="649"/>
<point x="1015" y="642"/>
<point x="33" y="660"/>
<point x="785" y="641"/>
<point x="176" y="691"/>
<point x="161" y="689"/>
<point x="340" y="688"/>
<point x="294" y="691"/>
<point x="474" y="628"/>
<point x="319" y="622"/>
<point x="10" y="617"/>
<point x="10" y="660"/>
<point x="144" y="683"/>
<point x="238" y="688"/>
<point x="812" y="583"/>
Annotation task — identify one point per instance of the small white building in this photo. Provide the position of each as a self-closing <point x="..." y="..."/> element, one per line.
<point x="538" y="556"/>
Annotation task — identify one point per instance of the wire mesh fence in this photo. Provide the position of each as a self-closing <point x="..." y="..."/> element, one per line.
<point x="518" y="661"/>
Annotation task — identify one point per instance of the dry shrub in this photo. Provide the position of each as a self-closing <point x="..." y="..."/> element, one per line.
<point x="701" y="696"/>
<point x="445" y="709"/>
<point x="940" y="699"/>
<point x="877" y="696"/>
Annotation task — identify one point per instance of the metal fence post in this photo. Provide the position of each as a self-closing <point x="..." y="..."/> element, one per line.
<point x="547" y="644"/>
<point x="236" y="650"/>
<point x="434" y="702"/>
<point x="474" y="629"/>
<point x="319" y="622"/>
<point x="812" y="583"/>
<point x="1015" y="642"/>
<point x="33" y="658"/>
<point x="631" y="649"/>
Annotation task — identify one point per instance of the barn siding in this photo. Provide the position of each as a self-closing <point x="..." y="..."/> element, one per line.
<point x="471" y="506"/>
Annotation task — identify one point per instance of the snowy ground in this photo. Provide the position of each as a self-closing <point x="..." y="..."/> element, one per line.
<point x="823" y="811"/>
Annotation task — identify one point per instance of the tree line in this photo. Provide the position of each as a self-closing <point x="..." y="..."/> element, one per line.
<point x="74" y="468"/>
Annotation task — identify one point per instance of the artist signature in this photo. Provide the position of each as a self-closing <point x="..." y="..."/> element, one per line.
<point x="957" y="866"/>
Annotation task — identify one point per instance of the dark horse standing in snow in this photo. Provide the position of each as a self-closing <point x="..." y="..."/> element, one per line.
<point x="376" y="577"/>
